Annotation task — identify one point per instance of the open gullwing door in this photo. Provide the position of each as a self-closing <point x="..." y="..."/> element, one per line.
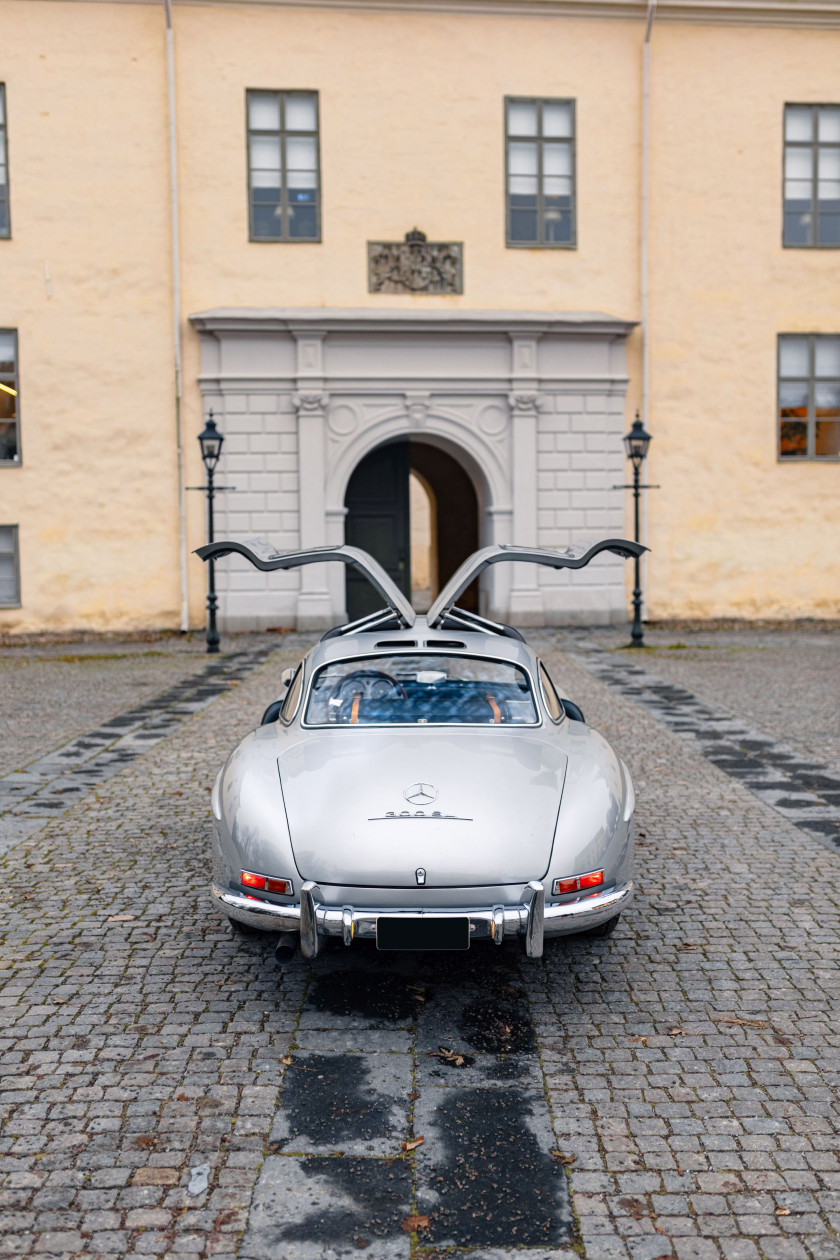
<point x="265" y="556"/>
<point x="574" y="557"/>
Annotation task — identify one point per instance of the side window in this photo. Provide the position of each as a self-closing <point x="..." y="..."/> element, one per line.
<point x="550" y="697"/>
<point x="812" y="176"/>
<point x="283" y="166"/>
<point x="540" y="173"/>
<point x="290" y="708"/>
<point x="9" y="410"/>
<point x="809" y="397"/>
<point x="9" y="567"/>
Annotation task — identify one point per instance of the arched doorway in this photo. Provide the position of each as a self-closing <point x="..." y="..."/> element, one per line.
<point x="379" y="519"/>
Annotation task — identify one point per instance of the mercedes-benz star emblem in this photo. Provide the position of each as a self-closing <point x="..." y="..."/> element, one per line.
<point x="420" y="794"/>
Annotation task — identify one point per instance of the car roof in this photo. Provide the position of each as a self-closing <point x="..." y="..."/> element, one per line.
<point x="422" y="638"/>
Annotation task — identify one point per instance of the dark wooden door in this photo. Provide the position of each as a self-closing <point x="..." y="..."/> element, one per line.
<point x="378" y="521"/>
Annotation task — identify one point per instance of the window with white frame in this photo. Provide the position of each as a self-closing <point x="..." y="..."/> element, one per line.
<point x="812" y="176"/>
<point x="809" y="396"/>
<point x="283" y="166"/>
<point x="9" y="567"/>
<point x="9" y="410"/>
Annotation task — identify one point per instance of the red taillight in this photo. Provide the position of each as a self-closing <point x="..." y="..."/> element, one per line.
<point x="250" y="880"/>
<point x="283" y="886"/>
<point x="591" y="880"/>
<point x="565" y="885"/>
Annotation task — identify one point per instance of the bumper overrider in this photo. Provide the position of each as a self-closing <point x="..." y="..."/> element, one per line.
<point x="530" y="918"/>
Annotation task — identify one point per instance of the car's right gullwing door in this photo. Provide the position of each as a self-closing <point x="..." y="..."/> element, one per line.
<point x="574" y="557"/>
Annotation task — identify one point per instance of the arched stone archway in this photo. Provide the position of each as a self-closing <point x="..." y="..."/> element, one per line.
<point x="378" y="517"/>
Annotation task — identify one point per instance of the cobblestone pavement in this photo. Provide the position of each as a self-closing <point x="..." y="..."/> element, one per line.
<point x="806" y="792"/>
<point x="783" y="682"/>
<point x="684" y="1070"/>
<point x="50" y="694"/>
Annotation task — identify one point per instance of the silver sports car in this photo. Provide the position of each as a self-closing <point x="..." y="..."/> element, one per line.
<point x="422" y="782"/>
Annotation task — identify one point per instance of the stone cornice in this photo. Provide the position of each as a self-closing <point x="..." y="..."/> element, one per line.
<point x="364" y="319"/>
<point x="820" y="14"/>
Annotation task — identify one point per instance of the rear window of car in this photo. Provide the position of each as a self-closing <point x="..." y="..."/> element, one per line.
<point x="420" y="689"/>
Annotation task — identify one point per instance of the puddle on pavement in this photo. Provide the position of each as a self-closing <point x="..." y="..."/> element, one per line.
<point x="484" y="1179"/>
<point x="372" y="994"/>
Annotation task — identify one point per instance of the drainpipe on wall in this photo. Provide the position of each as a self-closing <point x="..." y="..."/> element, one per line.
<point x="176" y="315"/>
<point x="644" y="263"/>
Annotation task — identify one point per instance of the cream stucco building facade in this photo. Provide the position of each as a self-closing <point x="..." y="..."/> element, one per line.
<point x="141" y="287"/>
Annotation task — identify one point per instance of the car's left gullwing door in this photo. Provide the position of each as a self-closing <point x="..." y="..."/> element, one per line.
<point x="265" y="556"/>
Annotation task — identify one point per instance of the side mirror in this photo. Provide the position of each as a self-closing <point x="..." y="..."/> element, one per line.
<point x="287" y="676"/>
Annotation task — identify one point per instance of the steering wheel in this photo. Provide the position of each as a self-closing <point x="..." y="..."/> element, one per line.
<point x="373" y="684"/>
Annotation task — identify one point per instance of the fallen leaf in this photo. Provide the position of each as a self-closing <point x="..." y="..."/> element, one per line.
<point x="413" y="1144"/>
<point x="233" y="682"/>
<point x="635" y="1207"/>
<point x="452" y="1057"/>
<point x="560" y="1158"/>
<point x="783" y="1211"/>
<point x="745" y="1023"/>
<point x="119" y="918"/>
<point x="643" y="1040"/>
<point x="287" y="1059"/>
<point x="182" y="1098"/>
<point x="411" y="1223"/>
<point x="677" y="1032"/>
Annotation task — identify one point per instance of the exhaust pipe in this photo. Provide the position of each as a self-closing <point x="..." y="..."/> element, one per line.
<point x="286" y="947"/>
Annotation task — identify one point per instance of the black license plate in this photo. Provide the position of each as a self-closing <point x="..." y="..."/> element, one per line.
<point x="428" y="932"/>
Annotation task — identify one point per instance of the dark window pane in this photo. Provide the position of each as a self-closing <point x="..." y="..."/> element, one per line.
<point x="523" y="224"/>
<point x="8" y="440"/>
<point x="303" y="221"/>
<point x="794" y="439"/>
<point x="268" y="222"/>
<point x="797" y="226"/>
<point x="827" y="439"/>
<point x="4" y="217"/>
<point x="829" y="229"/>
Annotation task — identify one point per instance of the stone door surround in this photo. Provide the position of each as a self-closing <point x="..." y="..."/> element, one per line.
<point x="531" y="404"/>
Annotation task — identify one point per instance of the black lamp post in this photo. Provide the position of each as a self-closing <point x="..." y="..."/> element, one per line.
<point x="636" y="443"/>
<point x="210" y="441"/>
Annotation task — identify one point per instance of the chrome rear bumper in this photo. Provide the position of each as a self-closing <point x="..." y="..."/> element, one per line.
<point x="530" y="918"/>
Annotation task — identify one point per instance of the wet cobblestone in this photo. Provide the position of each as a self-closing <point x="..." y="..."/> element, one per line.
<point x="690" y="1063"/>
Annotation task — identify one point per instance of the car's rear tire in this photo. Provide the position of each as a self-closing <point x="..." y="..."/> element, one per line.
<point x="244" y="929"/>
<point x="603" y="929"/>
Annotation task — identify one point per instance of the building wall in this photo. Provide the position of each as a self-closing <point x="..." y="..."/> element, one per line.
<point x="733" y="530"/>
<point x="411" y="110"/>
<point x="85" y="280"/>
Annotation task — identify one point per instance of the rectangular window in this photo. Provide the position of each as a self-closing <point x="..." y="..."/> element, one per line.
<point x="540" y="173"/>
<point x="5" y="220"/>
<point x="809" y="397"/>
<point x="812" y="176"/>
<point x="9" y="567"/>
<point x="283" y="166"/>
<point x="9" y="411"/>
